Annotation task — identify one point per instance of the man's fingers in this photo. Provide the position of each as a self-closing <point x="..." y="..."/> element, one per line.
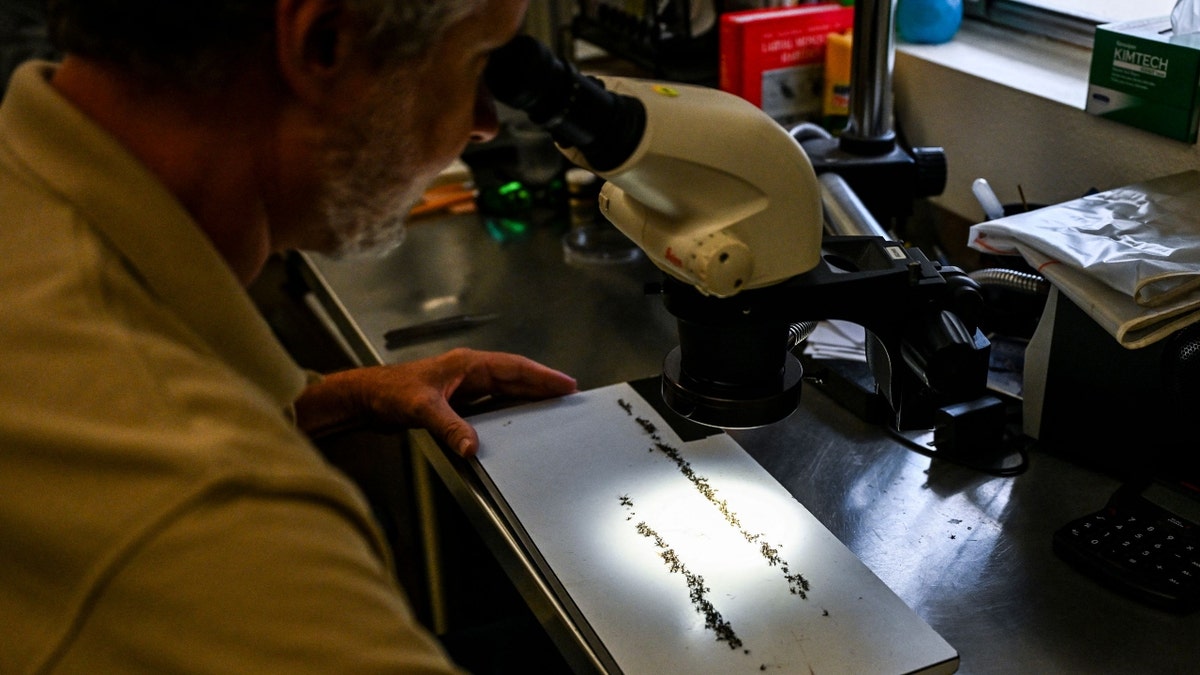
<point x="453" y="431"/>
<point x="514" y="375"/>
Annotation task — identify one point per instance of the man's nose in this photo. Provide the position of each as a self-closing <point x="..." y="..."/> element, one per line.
<point x="486" y="121"/>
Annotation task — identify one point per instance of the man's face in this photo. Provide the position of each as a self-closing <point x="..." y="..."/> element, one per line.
<point x="407" y="129"/>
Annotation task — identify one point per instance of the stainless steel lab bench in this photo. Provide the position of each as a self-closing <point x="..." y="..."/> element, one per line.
<point x="970" y="553"/>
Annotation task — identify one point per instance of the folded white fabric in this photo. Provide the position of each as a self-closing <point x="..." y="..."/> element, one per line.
<point x="1130" y="257"/>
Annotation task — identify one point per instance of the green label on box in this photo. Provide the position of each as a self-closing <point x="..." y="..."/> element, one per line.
<point x="1144" y="76"/>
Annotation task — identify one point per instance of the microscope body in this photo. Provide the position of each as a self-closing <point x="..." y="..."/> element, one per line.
<point x="727" y="204"/>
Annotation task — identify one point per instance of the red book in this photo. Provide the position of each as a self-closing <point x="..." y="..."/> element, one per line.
<point x="775" y="58"/>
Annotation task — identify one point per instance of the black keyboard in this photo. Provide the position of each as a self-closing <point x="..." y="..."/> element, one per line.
<point x="1145" y="542"/>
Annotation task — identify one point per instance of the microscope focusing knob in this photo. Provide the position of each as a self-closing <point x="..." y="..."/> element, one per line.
<point x="931" y="171"/>
<point x="720" y="262"/>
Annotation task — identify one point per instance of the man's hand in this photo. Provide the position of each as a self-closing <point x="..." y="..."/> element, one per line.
<point x="419" y="393"/>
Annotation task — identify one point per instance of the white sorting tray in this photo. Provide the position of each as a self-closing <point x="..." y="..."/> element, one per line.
<point x="687" y="557"/>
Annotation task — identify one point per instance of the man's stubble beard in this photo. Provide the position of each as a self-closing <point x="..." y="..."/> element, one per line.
<point x="372" y="164"/>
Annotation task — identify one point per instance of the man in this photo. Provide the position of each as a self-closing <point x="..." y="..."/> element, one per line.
<point x="162" y="509"/>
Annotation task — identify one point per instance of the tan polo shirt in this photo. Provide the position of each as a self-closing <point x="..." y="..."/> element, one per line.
<point x="158" y="512"/>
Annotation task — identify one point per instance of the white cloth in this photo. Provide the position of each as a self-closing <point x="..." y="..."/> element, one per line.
<point x="1130" y="257"/>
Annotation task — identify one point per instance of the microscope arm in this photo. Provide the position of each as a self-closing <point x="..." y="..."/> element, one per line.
<point x="733" y="367"/>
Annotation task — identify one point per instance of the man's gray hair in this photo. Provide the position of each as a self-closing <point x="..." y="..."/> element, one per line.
<point x="201" y="44"/>
<point x="406" y="28"/>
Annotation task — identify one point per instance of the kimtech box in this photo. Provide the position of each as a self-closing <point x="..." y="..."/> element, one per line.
<point x="1145" y="76"/>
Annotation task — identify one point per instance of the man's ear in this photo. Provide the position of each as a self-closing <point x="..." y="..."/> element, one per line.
<point x="312" y="44"/>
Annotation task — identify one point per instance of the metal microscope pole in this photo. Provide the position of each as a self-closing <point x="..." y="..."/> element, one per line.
<point x="886" y="177"/>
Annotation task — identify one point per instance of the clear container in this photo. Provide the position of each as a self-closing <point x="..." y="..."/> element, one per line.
<point x="591" y="238"/>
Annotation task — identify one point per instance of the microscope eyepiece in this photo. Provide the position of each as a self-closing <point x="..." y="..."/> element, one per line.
<point x="576" y="109"/>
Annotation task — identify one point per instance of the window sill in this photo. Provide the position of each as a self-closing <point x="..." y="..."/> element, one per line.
<point x="1052" y="70"/>
<point x="1009" y="107"/>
